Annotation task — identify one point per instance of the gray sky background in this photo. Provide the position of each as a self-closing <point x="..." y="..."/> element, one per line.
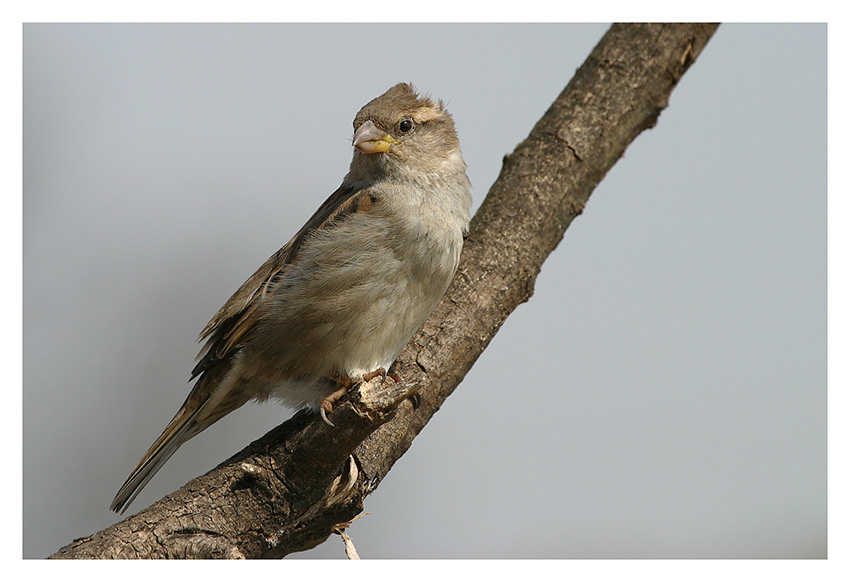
<point x="662" y="395"/>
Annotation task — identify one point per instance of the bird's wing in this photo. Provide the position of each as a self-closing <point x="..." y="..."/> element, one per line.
<point x="209" y="401"/>
<point x="235" y="321"/>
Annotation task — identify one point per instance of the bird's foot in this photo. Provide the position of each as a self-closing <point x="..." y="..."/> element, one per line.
<point x="345" y="384"/>
<point x="381" y="372"/>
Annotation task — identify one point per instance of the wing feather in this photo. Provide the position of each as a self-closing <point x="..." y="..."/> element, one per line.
<point x="233" y="324"/>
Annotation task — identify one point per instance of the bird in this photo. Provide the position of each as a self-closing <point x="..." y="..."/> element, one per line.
<point x="336" y="305"/>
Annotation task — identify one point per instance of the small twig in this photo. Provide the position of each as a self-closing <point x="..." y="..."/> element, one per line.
<point x="339" y="529"/>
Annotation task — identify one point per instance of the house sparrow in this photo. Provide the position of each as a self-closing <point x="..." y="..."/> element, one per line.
<point x="336" y="305"/>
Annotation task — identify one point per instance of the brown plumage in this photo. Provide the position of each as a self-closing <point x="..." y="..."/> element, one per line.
<point x="341" y="299"/>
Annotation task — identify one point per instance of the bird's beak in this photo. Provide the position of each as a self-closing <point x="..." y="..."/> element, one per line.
<point x="371" y="140"/>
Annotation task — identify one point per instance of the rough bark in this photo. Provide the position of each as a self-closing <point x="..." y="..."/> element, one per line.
<point x="291" y="489"/>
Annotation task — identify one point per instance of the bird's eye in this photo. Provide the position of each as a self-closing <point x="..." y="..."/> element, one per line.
<point x="405" y="125"/>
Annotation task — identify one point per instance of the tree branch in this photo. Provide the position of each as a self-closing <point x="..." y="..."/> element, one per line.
<point x="287" y="491"/>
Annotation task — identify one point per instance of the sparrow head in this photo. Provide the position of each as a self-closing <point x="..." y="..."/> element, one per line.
<point x="403" y="132"/>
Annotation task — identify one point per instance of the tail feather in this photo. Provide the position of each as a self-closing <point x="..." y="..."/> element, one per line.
<point x="213" y="397"/>
<point x="181" y="428"/>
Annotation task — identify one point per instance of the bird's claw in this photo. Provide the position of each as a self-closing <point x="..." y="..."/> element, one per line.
<point x="324" y="414"/>
<point x="327" y="405"/>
